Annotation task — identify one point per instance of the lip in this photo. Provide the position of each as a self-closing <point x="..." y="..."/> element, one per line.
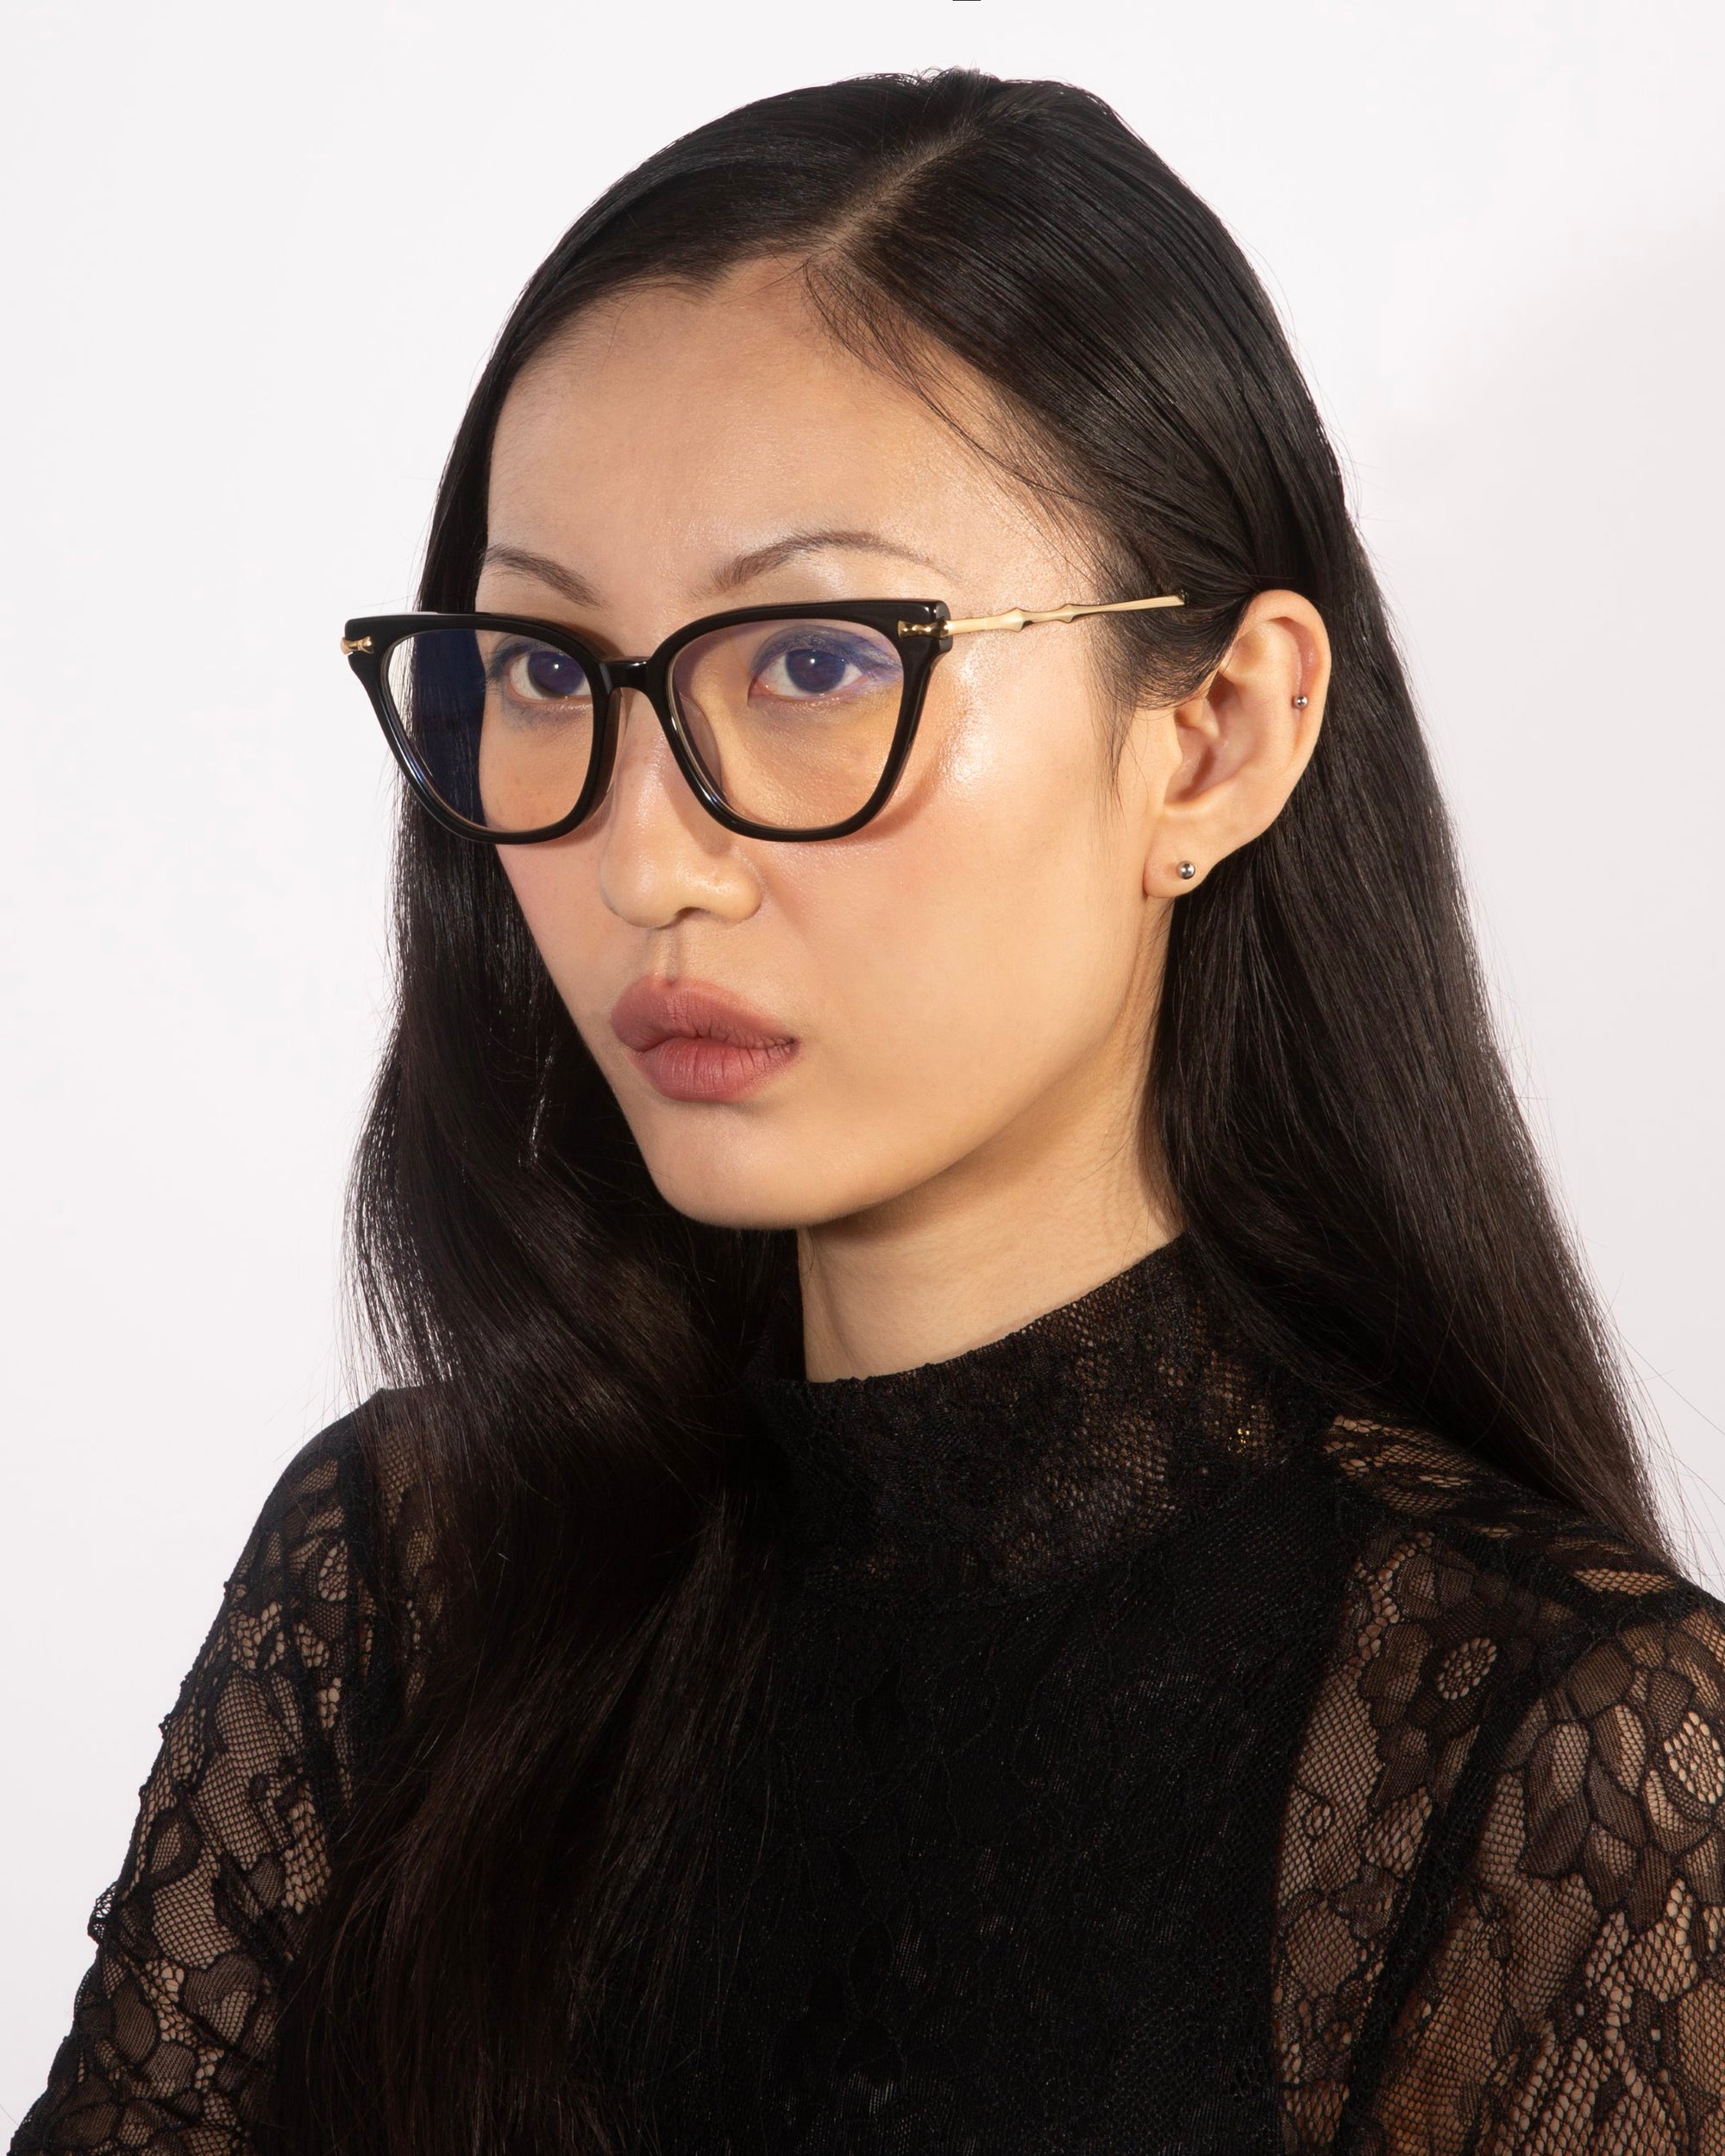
<point x="692" y="1041"/>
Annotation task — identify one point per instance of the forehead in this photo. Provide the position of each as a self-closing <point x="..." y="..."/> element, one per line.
<point x="695" y="422"/>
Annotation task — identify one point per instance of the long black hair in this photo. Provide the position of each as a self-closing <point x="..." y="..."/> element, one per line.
<point x="1326" y="1106"/>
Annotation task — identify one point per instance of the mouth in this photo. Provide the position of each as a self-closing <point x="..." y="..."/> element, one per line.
<point x="692" y="1041"/>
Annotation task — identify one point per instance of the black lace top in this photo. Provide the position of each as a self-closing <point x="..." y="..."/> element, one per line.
<point x="1151" y="1760"/>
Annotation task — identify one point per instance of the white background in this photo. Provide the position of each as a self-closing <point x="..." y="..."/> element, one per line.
<point x="253" y="256"/>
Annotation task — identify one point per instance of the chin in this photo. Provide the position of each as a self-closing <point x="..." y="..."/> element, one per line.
<point x="709" y="1182"/>
<point x="728" y="1184"/>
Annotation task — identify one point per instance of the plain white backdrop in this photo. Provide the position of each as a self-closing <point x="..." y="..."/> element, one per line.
<point x="253" y="257"/>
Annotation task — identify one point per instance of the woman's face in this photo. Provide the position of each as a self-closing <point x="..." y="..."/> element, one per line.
<point x="960" y="990"/>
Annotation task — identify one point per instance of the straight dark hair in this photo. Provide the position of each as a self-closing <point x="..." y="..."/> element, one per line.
<point x="1327" y="1110"/>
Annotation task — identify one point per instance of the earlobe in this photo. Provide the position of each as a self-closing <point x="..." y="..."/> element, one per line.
<point x="1169" y="878"/>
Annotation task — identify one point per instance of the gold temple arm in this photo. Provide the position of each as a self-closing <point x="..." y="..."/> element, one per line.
<point x="1019" y="619"/>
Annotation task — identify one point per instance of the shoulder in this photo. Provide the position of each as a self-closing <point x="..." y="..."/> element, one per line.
<point x="1521" y="1734"/>
<point x="1412" y="1476"/>
<point x="1488" y="1631"/>
<point x="1447" y="1544"/>
<point x="1471" y="1599"/>
<point x="319" y="1502"/>
<point x="330" y="1584"/>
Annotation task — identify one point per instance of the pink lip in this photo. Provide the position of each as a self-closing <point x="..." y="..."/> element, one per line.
<point x="693" y="1043"/>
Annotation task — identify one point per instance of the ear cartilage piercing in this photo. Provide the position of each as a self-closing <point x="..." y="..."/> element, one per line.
<point x="1301" y="702"/>
<point x="1187" y="872"/>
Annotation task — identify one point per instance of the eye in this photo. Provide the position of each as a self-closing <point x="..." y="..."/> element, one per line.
<point x="539" y="673"/>
<point x="807" y="666"/>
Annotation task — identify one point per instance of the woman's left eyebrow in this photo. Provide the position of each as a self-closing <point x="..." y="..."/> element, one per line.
<point x="743" y="568"/>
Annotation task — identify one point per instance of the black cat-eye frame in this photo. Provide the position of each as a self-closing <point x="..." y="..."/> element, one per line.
<point x="789" y="722"/>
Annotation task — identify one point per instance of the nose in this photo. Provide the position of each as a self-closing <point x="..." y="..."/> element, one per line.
<point x="661" y="855"/>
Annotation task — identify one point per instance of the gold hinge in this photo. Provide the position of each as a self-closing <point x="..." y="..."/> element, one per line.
<point x="351" y="644"/>
<point x="919" y="629"/>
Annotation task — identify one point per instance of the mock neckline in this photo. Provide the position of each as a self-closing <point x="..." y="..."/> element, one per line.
<point x="1030" y="1459"/>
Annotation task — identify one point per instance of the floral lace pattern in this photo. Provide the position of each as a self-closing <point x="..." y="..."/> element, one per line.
<point x="1502" y="1908"/>
<point x="172" y="2027"/>
<point x="1122" y="1613"/>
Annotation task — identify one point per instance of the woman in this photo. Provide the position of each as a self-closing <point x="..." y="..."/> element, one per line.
<point x="1006" y="1524"/>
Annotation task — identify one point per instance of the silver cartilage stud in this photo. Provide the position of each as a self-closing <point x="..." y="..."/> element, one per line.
<point x="1301" y="702"/>
<point x="1187" y="872"/>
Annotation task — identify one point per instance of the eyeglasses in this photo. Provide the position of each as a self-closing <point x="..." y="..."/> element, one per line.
<point x="789" y="722"/>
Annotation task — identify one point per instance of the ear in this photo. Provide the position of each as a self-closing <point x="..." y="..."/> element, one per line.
<point x="1240" y="741"/>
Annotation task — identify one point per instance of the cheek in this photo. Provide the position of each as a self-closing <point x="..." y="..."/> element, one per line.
<point x="557" y="886"/>
<point x="985" y="934"/>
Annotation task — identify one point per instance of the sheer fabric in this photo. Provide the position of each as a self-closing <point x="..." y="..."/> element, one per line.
<point x="1501" y="1901"/>
<point x="310" y="1654"/>
<point x="1151" y="1759"/>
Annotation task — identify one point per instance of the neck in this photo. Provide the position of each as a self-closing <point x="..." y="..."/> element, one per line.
<point x="992" y="1242"/>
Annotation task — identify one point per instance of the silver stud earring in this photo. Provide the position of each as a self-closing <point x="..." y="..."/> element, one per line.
<point x="1301" y="702"/>
<point x="1187" y="872"/>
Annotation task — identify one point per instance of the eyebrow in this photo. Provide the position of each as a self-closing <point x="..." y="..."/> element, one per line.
<point x="573" y="588"/>
<point x="741" y="569"/>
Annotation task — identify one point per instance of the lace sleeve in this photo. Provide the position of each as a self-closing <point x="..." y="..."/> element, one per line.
<point x="172" y="2028"/>
<point x="1501" y="1908"/>
<point x="1576" y="1999"/>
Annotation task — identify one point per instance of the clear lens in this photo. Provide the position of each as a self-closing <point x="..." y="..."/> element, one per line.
<point x="791" y="720"/>
<point x="501" y="724"/>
